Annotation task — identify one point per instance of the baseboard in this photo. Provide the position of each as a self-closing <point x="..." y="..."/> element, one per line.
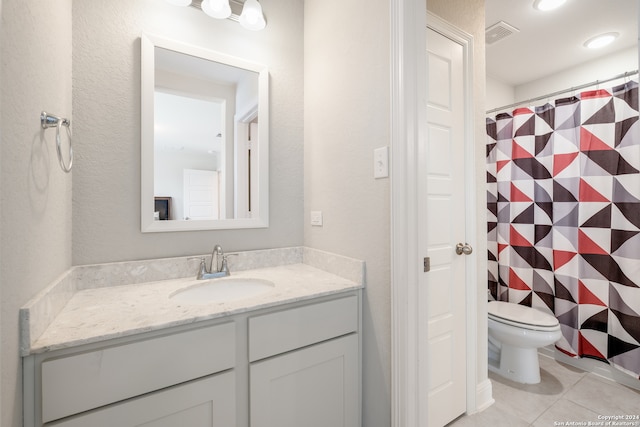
<point x="590" y="365"/>
<point x="484" y="395"/>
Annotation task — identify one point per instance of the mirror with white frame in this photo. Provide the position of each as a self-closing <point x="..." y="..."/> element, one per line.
<point x="204" y="139"/>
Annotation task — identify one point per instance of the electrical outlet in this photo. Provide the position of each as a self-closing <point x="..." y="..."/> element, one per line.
<point x="316" y="218"/>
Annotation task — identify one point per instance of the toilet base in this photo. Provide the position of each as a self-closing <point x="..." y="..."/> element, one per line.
<point x="517" y="364"/>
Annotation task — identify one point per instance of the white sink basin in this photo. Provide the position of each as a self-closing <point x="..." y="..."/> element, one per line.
<point x="222" y="290"/>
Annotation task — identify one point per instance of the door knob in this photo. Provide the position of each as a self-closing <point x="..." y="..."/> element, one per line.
<point x="463" y="249"/>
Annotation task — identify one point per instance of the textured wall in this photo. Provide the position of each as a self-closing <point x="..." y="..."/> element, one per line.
<point x="36" y="194"/>
<point x="468" y="15"/>
<point x="347" y="116"/>
<point x="106" y="105"/>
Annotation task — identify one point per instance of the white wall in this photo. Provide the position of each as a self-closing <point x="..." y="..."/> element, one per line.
<point x="468" y="15"/>
<point x="500" y="94"/>
<point x="36" y="194"/>
<point x="106" y="105"/>
<point x="346" y="116"/>
<point x="609" y="66"/>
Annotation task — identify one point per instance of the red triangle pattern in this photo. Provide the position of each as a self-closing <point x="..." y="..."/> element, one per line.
<point x="518" y="196"/>
<point x="590" y="94"/>
<point x="516" y="282"/>
<point x="585" y="296"/>
<point x="501" y="163"/>
<point x="561" y="161"/>
<point x="590" y="142"/>
<point x="560" y="258"/>
<point x="523" y="110"/>
<point x="585" y="348"/>
<point x="517" y="152"/>
<point x="588" y="246"/>
<point x="517" y="239"/>
<point x="590" y="194"/>
<point x="501" y="247"/>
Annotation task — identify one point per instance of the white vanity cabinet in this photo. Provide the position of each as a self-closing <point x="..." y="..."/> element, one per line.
<point x="305" y="366"/>
<point x="296" y="364"/>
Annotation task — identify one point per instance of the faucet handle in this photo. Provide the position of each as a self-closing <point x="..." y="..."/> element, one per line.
<point x="202" y="269"/>
<point x="225" y="267"/>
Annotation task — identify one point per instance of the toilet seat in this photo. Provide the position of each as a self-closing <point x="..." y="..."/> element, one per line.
<point x="521" y="316"/>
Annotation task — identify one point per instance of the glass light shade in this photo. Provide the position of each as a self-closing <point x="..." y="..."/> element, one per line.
<point x="252" y="17"/>
<point x="179" y="2"/>
<point x="545" y="5"/>
<point x="600" y="41"/>
<point x="219" y="9"/>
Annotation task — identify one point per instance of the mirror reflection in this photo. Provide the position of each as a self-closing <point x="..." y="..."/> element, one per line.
<point x="204" y="158"/>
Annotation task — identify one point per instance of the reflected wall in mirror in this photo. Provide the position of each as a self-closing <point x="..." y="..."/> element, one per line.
<point x="205" y="144"/>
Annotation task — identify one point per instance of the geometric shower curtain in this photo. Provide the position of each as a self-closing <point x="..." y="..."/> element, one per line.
<point x="564" y="219"/>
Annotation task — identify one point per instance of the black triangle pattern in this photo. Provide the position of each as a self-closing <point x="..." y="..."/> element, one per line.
<point x="602" y="219"/>
<point x="597" y="322"/>
<point x="622" y="128"/>
<point x="617" y="346"/>
<point x="562" y="292"/>
<point x="581" y="228"/>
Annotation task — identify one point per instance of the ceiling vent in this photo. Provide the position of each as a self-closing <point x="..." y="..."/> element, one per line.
<point x="498" y="31"/>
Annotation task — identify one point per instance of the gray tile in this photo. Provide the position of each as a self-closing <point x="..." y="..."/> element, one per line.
<point x="490" y="417"/>
<point x="523" y="401"/>
<point x="566" y="375"/>
<point x="565" y="411"/>
<point x="564" y="394"/>
<point x="605" y="397"/>
<point x="529" y="401"/>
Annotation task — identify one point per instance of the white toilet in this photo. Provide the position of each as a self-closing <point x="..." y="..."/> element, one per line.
<point x="516" y="333"/>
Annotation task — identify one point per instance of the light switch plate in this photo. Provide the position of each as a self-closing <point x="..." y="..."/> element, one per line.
<point x="381" y="162"/>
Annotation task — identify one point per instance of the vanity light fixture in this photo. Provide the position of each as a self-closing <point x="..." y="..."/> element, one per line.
<point x="179" y="2"/>
<point x="600" y="41"/>
<point x="219" y="9"/>
<point x="545" y="5"/>
<point x="250" y="18"/>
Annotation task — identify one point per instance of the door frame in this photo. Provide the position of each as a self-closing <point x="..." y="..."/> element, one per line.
<point x="409" y="21"/>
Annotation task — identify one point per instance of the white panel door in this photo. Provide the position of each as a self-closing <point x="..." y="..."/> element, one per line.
<point x="201" y="194"/>
<point x="442" y="321"/>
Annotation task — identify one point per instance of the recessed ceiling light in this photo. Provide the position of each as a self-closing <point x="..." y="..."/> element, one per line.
<point x="545" y="5"/>
<point x="600" y="41"/>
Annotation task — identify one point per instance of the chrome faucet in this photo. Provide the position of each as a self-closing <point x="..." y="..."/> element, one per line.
<point x="221" y="267"/>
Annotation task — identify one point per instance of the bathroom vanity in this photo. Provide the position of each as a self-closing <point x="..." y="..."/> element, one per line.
<point x="289" y="357"/>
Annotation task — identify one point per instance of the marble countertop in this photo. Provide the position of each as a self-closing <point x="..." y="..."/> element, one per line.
<point x="93" y="315"/>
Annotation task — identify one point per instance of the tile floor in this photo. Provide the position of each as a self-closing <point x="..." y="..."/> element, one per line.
<point x="565" y="396"/>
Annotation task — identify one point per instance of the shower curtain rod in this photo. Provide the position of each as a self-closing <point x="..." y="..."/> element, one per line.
<point x="560" y="92"/>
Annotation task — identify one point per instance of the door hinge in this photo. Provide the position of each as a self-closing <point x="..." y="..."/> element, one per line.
<point x="427" y="264"/>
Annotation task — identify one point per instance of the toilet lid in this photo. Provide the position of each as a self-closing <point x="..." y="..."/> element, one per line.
<point x="520" y="314"/>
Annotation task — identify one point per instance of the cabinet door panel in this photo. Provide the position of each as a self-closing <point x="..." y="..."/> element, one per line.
<point x="313" y="387"/>
<point x="209" y="402"/>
